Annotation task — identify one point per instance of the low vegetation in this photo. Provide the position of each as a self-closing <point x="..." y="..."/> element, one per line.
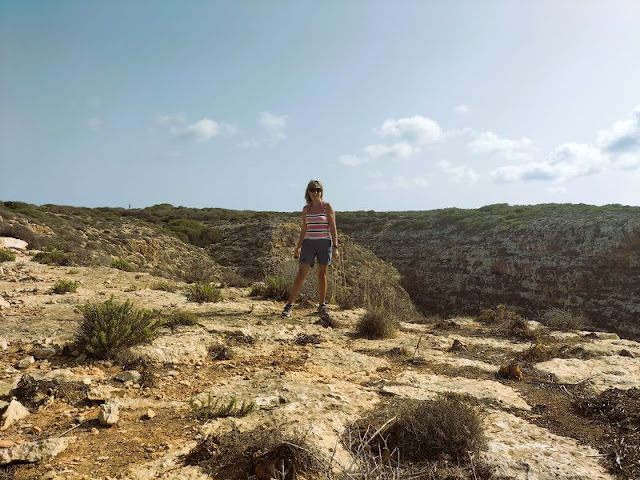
<point x="378" y="323"/>
<point x="180" y="317"/>
<point x="65" y="286"/>
<point x="54" y="257"/>
<point x="110" y="326"/>
<point x="562" y="319"/>
<point x="204" y="293"/>
<point x="274" y="287"/>
<point x="122" y="264"/>
<point x="215" y="408"/>
<point x="6" y="255"/>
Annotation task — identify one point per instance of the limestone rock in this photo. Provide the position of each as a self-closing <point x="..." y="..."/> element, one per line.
<point x="10" y="242"/>
<point x="42" y="353"/>
<point x="14" y="412"/>
<point x="129" y="376"/>
<point x="109" y="414"/>
<point x="26" y="362"/>
<point x="33" y="452"/>
<point x="4" y="304"/>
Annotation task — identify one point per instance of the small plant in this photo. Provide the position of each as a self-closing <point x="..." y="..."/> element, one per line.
<point x="7" y="255"/>
<point x="54" y="257"/>
<point x="110" y="326"/>
<point x="180" y="317"/>
<point x="164" y="286"/>
<point x="214" y="408"/>
<point x="273" y="287"/>
<point x="122" y="264"/>
<point x="65" y="286"/>
<point x="562" y="319"/>
<point x="204" y="292"/>
<point x="378" y="324"/>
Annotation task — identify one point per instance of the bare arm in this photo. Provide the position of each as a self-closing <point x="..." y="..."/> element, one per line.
<point x="331" y="214"/>
<point x="303" y="232"/>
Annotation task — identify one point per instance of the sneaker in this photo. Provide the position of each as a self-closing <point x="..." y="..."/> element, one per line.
<point x="287" y="311"/>
<point x="323" y="309"/>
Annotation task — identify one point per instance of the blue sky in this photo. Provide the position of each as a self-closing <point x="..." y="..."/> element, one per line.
<point x="393" y="105"/>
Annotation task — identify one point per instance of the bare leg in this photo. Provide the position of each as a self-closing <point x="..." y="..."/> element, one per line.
<point x="322" y="283"/>
<point x="303" y="269"/>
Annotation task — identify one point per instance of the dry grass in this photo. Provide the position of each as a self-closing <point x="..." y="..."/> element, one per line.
<point x="378" y="323"/>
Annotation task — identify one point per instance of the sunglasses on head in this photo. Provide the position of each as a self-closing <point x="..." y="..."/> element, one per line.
<point x="315" y="190"/>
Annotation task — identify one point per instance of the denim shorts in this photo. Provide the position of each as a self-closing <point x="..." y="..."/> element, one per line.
<point x="312" y="249"/>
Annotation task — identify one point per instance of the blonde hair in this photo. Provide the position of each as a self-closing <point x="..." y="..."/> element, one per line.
<point x="312" y="183"/>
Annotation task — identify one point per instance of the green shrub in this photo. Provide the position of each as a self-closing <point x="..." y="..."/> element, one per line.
<point x="54" y="257"/>
<point x="204" y="292"/>
<point x="110" y="326"/>
<point x="273" y="287"/>
<point x="378" y="323"/>
<point x="214" y="408"/>
<point x="122" y="264"/>
<point x="65" y="286"/>
<point x="180" y="317"/>
<point x="164" y="286"/>
<point x="7" y="255"/>
<point x="562" y="319"/>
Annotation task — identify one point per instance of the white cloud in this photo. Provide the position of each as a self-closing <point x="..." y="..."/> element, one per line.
<point x="567" y="161"/>
<point x="489" y="142"/>
<point x="95" y="124"/>
<point x="623" y="136"/>
<point x="274" y="131"/>
<point x="462" y="109"/>
<point x="404" y="138"/>
<point x="461" y="173"/>
<point x="416" y="130"/>
<point x="201" y="131"/>
<point x="400" y="182"/>
<point x="204" y="130"/>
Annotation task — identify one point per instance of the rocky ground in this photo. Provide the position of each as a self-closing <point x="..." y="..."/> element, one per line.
<point x="304" y="378"/>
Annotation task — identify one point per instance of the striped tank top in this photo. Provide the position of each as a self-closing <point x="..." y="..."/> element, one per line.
<point x="318" y="225"/>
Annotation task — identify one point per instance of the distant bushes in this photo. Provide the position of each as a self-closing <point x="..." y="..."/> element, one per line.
<point x="54" y="257"/>
<point x="194" y="232"/>
<point x="122" y="264"/>
<point x="203" y="292"/>
<point x="65" y="286"/>
<point x="562" y="319"/>
<point x="109" y="326"/>
<point x="7" y="255"/>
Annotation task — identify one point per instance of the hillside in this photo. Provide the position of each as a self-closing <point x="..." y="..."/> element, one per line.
<point x="579" y="257"/>
<point x="310" y="384"/>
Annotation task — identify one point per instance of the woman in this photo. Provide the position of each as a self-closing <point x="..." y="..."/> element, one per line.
<point x="318" y="240"/>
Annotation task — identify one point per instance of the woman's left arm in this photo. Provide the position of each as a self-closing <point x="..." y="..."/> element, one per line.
<point x="331" y="214"/>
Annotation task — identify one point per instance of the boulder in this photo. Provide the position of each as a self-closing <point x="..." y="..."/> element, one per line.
<point x="10" y="242"/>
<point x="14" y="412"/>
<point x="33" y="452"/>
<point x="109" y="414"/>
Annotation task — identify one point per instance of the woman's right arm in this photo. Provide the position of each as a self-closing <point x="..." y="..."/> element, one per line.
<point x="303" y="232"/>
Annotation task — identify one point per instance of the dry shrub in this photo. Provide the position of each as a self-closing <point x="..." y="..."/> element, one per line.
<point x="425" y="430"/>
<point x="562" y="319"/>
<point x="378" y="323"/>
<point x="263" y="454"/>
<point x="221" y="352"/>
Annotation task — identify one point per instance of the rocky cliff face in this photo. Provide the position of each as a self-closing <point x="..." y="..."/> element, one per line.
<point x="532" y="258"/>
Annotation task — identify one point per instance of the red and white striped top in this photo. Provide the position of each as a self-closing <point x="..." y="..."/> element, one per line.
<point x="318" y="225"/>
